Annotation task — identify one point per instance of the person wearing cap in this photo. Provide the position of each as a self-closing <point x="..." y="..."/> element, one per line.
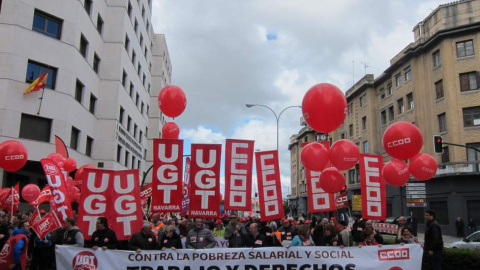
<point x="287" y="232"/>
<point x="219" y="230"/>
<point x="358" y="227"/>
<point x="235" y="233"/>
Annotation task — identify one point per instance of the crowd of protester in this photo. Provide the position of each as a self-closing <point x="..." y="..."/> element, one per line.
<point x="161" y="234"/>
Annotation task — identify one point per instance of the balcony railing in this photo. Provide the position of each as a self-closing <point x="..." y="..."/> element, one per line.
<point x="461" y="167"/>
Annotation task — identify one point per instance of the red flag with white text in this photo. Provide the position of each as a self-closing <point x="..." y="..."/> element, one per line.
<point x="56" y="181"/>
<point x="238" y="174"/>
<point x="45" y="196"/>
<point x="47" y="224"/>
<point x="205" y="185"/>
<point x="374" y="198"/>
<point x="10" y="198"/>
<point x="113" y="195"/>
<point x="167" y="175"/>
<point x="35" y="217"/>
<point x="318" y="200"/>
<point x="269" y="185"/>
<point x="145" y="193"/>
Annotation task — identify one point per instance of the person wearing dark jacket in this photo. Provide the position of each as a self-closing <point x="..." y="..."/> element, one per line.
<point x="287" y="232"/>
<point x="235" y="233"/>
<point x="256" y="239"/>
<point x="433" y="245"/>
<point x="169" y="238"/>
<point x="200" y="237"/>
<point x="378" y="235"/>
<point x="459" y="227"/>
<point x="41" y="252"/>
<point x="72" y="234"/>
<point x="4" y="233"/>
<point x="319" y="232"/>
<point x="143" y="240"/>
<point x="103" y="237"/>
<point x="331" y="237"/>
<point x="358" y="227"/>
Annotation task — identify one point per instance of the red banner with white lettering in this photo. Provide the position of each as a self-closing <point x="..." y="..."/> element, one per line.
<point x="58" y="185"/>
<point x="45" y="196"/>
<point x="374" y="195"/>
<point x="318" y="200"/>
<point x="35" y="217"/>
<point x="114" y="195"/>
<point x="238" y="174"/>
<point x="167" y="175"/>
<point x="47" y="224"/>
<point x="145" y="193"/>
<point x="269" y="185"/>
<point x="205" y="185"/>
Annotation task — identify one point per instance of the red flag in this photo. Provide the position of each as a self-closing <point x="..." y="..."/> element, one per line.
<point x="60" y="147"/>
<point x="205" y="187"/>
<point x="48" y="223"/>
<point x="318" y="200"/>
<point x="186" y="187"/>
<point x="9" y="198"/>
<point x="37" y="84"/>
<point x="269" y="185"/>
<point x="374" y="199"/>
<point x="58" y="185"/>
<point x="145" y="193"/>
<point x="45" y="196"/>
<point x="167" y="175"/>
<point x="114" y="195"/>
<point x="35" y="217"/>
<point x="238" y="175"/>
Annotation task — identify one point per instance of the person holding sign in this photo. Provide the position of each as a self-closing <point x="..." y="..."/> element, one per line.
<point x="144" y="239"/>
<point x="200" y="237"/>
<point x="169" y="238"/>
<point x="103" y="237"/>
<point x="256" y="239"/>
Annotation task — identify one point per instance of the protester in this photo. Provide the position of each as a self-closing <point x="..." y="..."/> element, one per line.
<point x="200" y="237"/>
<point x="407" y="236"/>
<point x="103" y="237"/>
<point x="4" y="232"/>
<point x="319" y="232"/>
<point x="331" y="238"/>
<point x="13" y="224"/>
<point x="459" y="227"/>
<point x="169" y="238"/>
<point x="286" y="231"/>
<point x="472" y="227"/>
<point x="157" y="224"/>
<point x="358" y="227"/>
<point x="402" y="223"/>
<point x="303" y="237"/>
<point x="41" y="257"/>
<point x="72" y="234"/>
<point x="184" y="227"/>
<point x="235" y="233"/>
<point x="256" y="239"/>
<point x="219" y="230"/>
<point x="144" y="239"/>
<point x="378" y="236"/>
<point x="369" y="236"/>
<point x="433" y="245"/>
<point x="19" y="241"/>
<point x="345" y="234"/>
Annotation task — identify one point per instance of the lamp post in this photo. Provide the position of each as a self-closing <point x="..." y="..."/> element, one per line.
<point x="277" y="117"/>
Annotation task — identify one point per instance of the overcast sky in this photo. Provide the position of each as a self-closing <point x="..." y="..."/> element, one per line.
<point x="227" y="53"/>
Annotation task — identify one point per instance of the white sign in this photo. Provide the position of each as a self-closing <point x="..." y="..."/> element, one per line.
<point x="416" y="192"/>
<point x="415" y="184"/>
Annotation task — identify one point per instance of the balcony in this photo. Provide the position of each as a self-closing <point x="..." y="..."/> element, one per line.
<point x="456" y="168"/>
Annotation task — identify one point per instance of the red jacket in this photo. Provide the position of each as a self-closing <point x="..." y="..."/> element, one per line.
<point x="7" y="253"/>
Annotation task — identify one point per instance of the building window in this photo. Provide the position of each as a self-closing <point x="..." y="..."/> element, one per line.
<point x="127" y="43"/>
<point x="382" y="93"/>
<point x="99" y="24"/>
<point x="96" y="63"/>
<point x="473" y="211"/>
<point x="469" y="81"/>
<point x="389" y="91"/>
<point x="391" y="114"/>
<point x="47" y="24"/>
<point x="363" y="100"/>
<point x="124" y="79"/>
<point x="465" y="48"/>
<point x="93" y="103"/>
<point x="89" y="146"/>
<point x="471" y="116"/>
<point x="143" y="12"/>
<point x="142" y="108"/>
<point x="83" y="46"/>
<point x="365" y="147"/>
<point x="437" y="61"/>
<point x="145" y="52"/>
<point x="364" y="123"/>
<point x="442" y="122"/>
<point x="75" y="135"/>
<point x="473" y="155"/>
<point x="133" y="161"/>
<point x="439" y="89"/>
<point x="129" y="10"/>
<point x="79" y="91"/>
<point x="35" y="128"/>
<point x="129" y="124"/>
<point x="350" y="108"/>
<point x="134" y="57"/>
<point x="119" y="153"/>
<point x="122" y="113"/>
<point x="35" y="70"/>
<point x="127" y="157"/>
<point x="141" y="40"/>
<point x="351" y="176"/>
<point x="401" y="108"/>
<point x="410" y="102"/>
<point x="350" y="130"/>
<point x="398" y="80"/>
<point x="148" y="108"/>
<point x="408" y="74"/>
<point x="343" y="135"/>
<point x="445" y="155"/>
<point x="139" y="68"/>
<point x="138" y="164"/>
<point x="135" y="128"/>
<point x="88" y="6"/>
<point x="144" y="78"/>
<point x="441" y="211"/>
<point x="148" y="27"/>
<point x="137" y="99"/>
<point x="131" y="90"/>
<point x="135" y="26"/>
<point x="383" y="117"/>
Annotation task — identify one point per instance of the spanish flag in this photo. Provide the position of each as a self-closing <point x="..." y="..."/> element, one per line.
<point x="38" y="84"/>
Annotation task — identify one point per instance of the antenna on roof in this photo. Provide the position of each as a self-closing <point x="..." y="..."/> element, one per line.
<point x="365" y="65"/>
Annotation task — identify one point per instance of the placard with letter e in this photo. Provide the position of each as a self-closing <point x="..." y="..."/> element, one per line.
<point x="269" y="185"/>
<point x="374" y="198"/>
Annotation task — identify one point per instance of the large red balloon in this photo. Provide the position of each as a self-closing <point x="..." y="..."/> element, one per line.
<point x="170" y="131"/>
<point x="79" y="172"/>
<point x="69" y="165"/>
<point x="314" y="156"/>
<point x="332" y="180"/>
<point x="396" y="173"/>
<point x="172" y="101"/>
<point x="423" y="166"/>
<point x="57" y="158"/>
<point x="30" y="192"/>
<point x="13" y="155"/>
<point x="324" y="107"/>
<point x="344" y="154"/>
<point x="402" y="140"/>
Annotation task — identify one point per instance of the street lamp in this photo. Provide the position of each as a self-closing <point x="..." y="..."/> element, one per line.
<point x="277" y="117"/>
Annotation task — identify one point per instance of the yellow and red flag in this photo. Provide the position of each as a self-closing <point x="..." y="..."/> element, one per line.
<point x="38" y="84"/>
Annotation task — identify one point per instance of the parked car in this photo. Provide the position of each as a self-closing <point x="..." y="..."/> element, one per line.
<point x="470" y="242"/>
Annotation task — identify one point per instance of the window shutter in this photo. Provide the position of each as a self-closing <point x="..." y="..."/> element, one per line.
<point x="478" y="79"/>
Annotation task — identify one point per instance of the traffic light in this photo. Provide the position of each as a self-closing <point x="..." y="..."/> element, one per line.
<point x="438" y="144"/>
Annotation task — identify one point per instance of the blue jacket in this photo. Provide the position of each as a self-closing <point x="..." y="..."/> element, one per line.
<point x="19" y="245"/>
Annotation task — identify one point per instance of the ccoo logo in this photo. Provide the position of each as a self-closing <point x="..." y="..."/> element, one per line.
<point x="85" y="260"/>
<point x="394" y="254"/>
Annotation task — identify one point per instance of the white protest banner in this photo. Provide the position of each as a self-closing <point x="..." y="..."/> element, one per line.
<point x="394" y="257"/>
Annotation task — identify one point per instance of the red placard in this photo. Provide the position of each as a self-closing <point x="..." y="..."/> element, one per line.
<point x="238" y="174"/>
<point x="47" y="224"/>
<point x="145" y="193"/>
<point x="318" y="200"/>
<point x="205" y="188"/>
<point x="45" y="196"/>
<point x="374" y="198"/>
<point x="114" y="195"/>
<point x="58" y="186"/>
<point x="342" y="201"/>
<point x="35" y="217"/>
<point x="167" y="175"/>
<point x="269" y="185"/>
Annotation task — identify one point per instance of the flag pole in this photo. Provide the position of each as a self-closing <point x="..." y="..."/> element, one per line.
<point x="13" y="201"/>
<point x="41" y="99"/>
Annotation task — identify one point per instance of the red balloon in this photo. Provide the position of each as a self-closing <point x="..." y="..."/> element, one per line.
<point x="314" y="156"/>
<point x="30" y="192"/>
<point x="332" y="180"/>
<point x="396" y="173"/>
<point x="324" y="107"/>
<point x="13" y="155"/>
<point x="79" y="172"/>
<point x="344" y="154"/>
<point x="69" y="165"/>
<point x="423" y="166"/>
<point x="170" y="131"/>
<point x="172" y="101"/>
<point x="57" y="158"/>
<point x="402" y="140"/>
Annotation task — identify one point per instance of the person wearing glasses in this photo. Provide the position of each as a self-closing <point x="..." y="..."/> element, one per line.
<point x="103" y="237"/>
